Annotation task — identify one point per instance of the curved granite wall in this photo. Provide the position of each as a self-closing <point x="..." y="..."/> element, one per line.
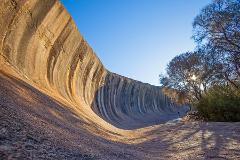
<point x="40" y="40"/>
<point x="128" y="103"/>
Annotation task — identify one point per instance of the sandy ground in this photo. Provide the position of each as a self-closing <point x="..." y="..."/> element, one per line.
<point x="36" y="126"/>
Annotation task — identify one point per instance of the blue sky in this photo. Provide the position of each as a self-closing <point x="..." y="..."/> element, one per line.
<point x="136" y="38"/>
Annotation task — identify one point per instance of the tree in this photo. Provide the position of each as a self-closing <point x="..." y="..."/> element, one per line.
<point x="189" y="73"/>
<point x="218" y="27"/>
<point x="222" y="71"/>
<point x="216" y="60"/>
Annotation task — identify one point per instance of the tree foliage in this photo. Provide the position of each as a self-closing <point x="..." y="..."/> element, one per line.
<point x="216" y="61"/>
<point x="218" y="26"/>
<point x="221" y="103"/>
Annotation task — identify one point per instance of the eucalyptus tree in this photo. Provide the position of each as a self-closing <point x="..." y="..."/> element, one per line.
<point x="218" y="27"/>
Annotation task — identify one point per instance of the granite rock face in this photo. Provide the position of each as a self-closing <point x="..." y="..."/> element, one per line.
<point x="129" y="104"/>
<point x="40" y="41"/>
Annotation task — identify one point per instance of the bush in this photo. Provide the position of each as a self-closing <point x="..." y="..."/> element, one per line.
<point x="221" y="103"/>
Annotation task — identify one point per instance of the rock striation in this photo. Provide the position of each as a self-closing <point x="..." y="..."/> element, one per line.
<point x="128" y="103"/>
<point x="40" y="41"/>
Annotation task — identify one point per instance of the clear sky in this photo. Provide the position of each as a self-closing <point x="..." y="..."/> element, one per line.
<point x="136" y="38"/>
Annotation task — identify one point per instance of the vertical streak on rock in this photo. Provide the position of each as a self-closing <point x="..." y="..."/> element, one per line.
<point x="55" y="51"/>
<point x="9" y="12"/>
<point x="37" y="15"/>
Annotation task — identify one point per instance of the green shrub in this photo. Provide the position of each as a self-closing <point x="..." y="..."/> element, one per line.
<point x="220" y="103"/>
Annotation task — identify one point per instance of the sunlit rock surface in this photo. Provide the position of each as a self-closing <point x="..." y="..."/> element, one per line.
<point x="57" y="101"/>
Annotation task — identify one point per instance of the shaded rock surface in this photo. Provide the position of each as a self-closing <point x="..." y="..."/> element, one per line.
<point x="57" y="101"/>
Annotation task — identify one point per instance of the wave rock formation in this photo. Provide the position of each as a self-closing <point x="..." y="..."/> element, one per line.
<point x="57" y="101"/>
<point x="40" y="41"/>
